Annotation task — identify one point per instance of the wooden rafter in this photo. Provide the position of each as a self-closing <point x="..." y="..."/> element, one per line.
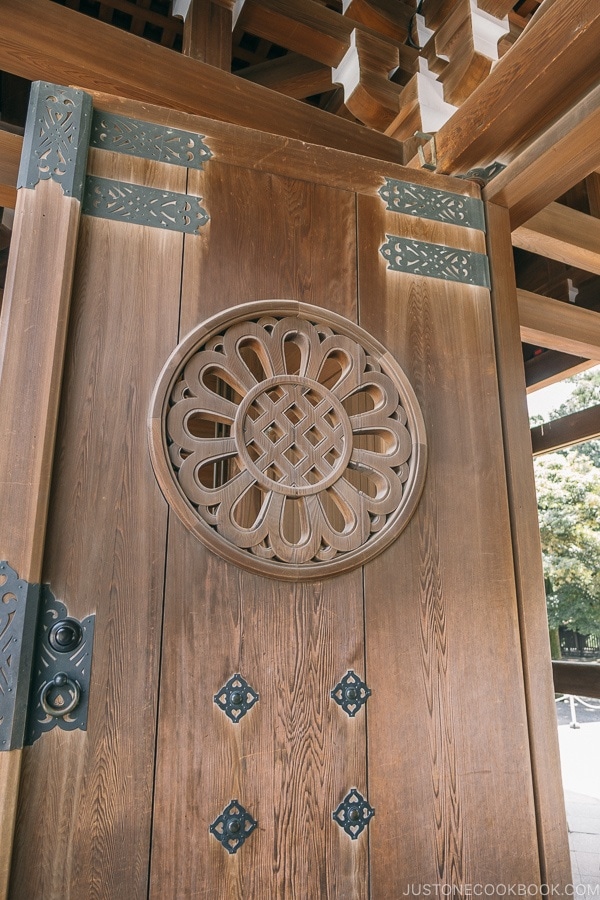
<point x="10" y="155"/>
<point x="308" y="28"/>
<point x="564" y="234"/>
<point x="566" y="431"/>
<point x="292" y="74"/>
<point x="65" y="47"/>
<point x="560" y="326"/>
<point x="551" y="367"/>
<point x="556" y="56"/>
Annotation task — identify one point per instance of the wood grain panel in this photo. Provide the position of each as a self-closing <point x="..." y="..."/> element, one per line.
<point x="441" y="617"/>
<point x="291" y="760"/>
<point x="86" y="796"/>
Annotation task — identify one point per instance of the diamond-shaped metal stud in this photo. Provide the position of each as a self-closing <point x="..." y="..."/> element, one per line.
<point x="354" y="813"/>
<point x="236" y="697"/>
<point x="233" y="826"/>
<point x="351" y="693"/>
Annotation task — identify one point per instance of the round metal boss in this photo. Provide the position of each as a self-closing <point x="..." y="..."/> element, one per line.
<point x="288" y="440"/>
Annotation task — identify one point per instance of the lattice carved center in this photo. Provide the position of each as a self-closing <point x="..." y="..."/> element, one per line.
<point x="293" y="435"/>
<point x="288" y="440"/>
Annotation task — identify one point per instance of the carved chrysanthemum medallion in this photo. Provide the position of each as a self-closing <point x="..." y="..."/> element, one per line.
<point x="288" y="440"/>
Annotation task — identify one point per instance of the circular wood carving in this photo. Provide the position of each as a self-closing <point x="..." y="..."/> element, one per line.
<point x="288" y="440"/>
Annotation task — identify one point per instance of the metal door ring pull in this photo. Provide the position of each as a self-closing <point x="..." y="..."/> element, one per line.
<point x="61" y="681"/>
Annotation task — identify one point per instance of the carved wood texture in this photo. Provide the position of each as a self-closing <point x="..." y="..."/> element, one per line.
<point x="296" y="440"/>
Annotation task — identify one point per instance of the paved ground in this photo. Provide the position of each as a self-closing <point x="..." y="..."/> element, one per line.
<point x="580" y="759"/>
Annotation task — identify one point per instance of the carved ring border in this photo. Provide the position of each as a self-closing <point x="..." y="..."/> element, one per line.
<point x="159" y="452"/>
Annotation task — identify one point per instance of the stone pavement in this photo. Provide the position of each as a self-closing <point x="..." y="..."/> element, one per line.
<point x="580" y="762"/>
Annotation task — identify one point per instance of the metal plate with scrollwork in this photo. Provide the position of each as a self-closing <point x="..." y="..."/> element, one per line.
<point x="140" y="205"/>
<point x="61" y="674"/>
<point x="122" y="134"/>
<point x="433" y="203"/>
<point x="436" y="261"/>
<point x="288" y="440"/>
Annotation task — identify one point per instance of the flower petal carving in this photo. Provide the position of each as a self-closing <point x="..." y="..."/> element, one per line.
<point x="288" y="440"/>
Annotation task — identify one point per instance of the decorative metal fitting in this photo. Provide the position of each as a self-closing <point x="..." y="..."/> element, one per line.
<point x="430" y="138"/>
<point x="65" y="635"/>
<point x="122" y="134"/>
<point x="236" y="698"/>
<point x="436" y="261"/>
<point x="432" y="203"/>
<point x="61" y="672"/>
<point x="483" y="174"/>
<point x="57" y="133"/>
<point x="351" y="693"/>
<point x="140" y="205"/>
<point x="354" y="813"/>
<point x="233" y="826"/>
<point x="52" y="696"/>
<point x="45" y="658"/>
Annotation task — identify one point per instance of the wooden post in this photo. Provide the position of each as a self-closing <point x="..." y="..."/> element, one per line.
<point x="32" y="341"/>
<point x="555" y="864"/>
<point x="207" y="33"/>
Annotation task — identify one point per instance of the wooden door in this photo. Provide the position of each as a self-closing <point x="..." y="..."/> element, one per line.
<point x="440" y="748"/>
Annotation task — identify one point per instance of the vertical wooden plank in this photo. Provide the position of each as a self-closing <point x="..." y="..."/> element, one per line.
<point x="294" y="756"/>
<point x="87" y="796"/>
<point x="552" y="826"/>
<point x="32" y="341"/>
<point x="207" y="33"/>
<point x="441" y="617"/>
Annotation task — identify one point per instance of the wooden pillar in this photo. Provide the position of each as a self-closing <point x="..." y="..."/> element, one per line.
<point x="207" y="33"/>
<point x="32" y="340"/>
<point x="543" y="736"/>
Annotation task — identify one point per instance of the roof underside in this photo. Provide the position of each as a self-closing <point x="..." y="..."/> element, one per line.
<point x="398" y="67"/>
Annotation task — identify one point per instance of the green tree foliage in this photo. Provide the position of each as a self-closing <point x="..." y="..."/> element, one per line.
<point x="569" y="510"/>
<point x="568" y="485"/>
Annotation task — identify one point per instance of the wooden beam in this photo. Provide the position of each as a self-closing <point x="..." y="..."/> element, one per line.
<point x="557" y="51"/>
<point x="592" y="184"/>
<point x="580" y="679"/>
<point x="309" y="28"/>
<point x="560" y="326"/>
<point x="292" y="74"/>
<point x="564" y="234"/>
<point x="555" y="865"/>
<point x="207" y="34"/>
<point x="288" y="158"/>
<point x="552" y="366"/>
<point x="389" y="17"/>
<point x="10" y="155"/>
<point x="32" y="340"/>
<point x="566" y="431"/>
<point x="42" y="40"/>
<point x="563" y="154"/>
